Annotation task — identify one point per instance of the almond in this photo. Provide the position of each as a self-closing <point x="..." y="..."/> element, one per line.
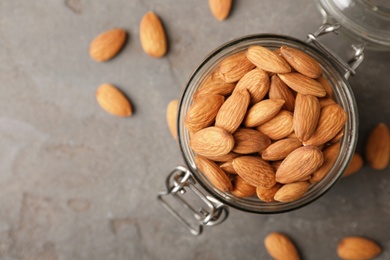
<point x="278" y="127"/>
<point x="171" y="116"/>
<point x="214" y="84"/>
<point x="212" y="141"/>
<point x="267" y="60"/>
<point x="267" y="195"/>
<point x="306" y="116"/>
<point x="332" y="120"/>
<point x="328" y="88"/>
<point x="299" y="164"/>
<point x="242" y="189"/>
<point x="214" y="174"/>
<point x="355" y="165"/>
<point x="256" y="82"/>
<point x="378" y="147"/>
<point x="301" y="62"/>
<point x="113" y="100"/>
<point x="275" y="165"/>
<point x="224" y="158"/>
<point x="220" y="8"/>
<point x="326" y="102"/>
<point x="303" y="84"/>
<point x="262" y="112"/>
<point x="202" y="113"/>
<point x="279" y="90"/>
<point x="354" y="247"/>
<point x="330" y="156"/>
<point x="234" y="67"/>
<point x="152" y="35"/>
<point x="280" y="149"/>
<point x="248" y="141"/>
<point x="254" y="171"/>
<point x="233" y="111"/>
<point x="280" y="247"/>
<point x="291" y="191"/>
<point x="228" y="167"/>
<point x="107" y="45"/>
<point x="337" y="137"/>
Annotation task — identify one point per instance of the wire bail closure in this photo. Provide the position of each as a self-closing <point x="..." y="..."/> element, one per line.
<point x="179" y="182"/>
<point x="357" y="56"/>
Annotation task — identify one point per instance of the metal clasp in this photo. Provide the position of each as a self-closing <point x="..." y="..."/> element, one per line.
<point x="178" y="183"/>
<point x="357" y="56"/>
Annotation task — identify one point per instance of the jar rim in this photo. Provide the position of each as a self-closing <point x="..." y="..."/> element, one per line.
<point x="350" y="138"/>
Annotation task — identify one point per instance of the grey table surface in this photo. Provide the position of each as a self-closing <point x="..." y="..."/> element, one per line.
<point x="78" y="183"/>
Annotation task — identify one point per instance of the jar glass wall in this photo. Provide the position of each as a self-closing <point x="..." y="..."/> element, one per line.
<point x="342" y="93"/>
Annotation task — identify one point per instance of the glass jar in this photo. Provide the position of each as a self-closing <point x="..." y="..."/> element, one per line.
<point x="184" y="179"/>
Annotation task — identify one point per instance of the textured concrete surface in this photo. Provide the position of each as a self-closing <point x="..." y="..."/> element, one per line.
<point x="77" y="183"/>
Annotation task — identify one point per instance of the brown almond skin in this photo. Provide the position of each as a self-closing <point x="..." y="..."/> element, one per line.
<point x="328" y="88"/>
<point x="220" y="8"/>
<point x="332" y="120"/>
<point x="292" y="191"/>
<point x="267" y="60"/>
<point x="242" y="189"/>
<point x="338" y="137"/>
<point x="280" y="149"/>
<point x="278" y="127"/>
<point x="152" y="35"/>
<point x="326" y="102"/>
<point x="233" y="110"/>
<point x="280" y="247"/>
<point x="212" y="141"/>
<point x="357" y="248"/>
<point x="234" y="67"/>
<point x="255" y="171"/>
<point x="262" y="112"/>
<point x="267" y="195"/>
<point x="107" y="44"/>
<point x="330" y="156"/>
<point x="299" y="164"/>
<point x="113" y="100"/>
<point x="306" y="116"/>
<point x="279" y="90"/>
<point x="171" y="116"/>
<point x="256" y="82"/>
<point x="202" y="113"/>
<point x="378" y="147"/>
<point x="303" y="84"/>
<point x="355" y="165"/>
<point x="214" y="174"/>
<point x="223" y="158"/>
<point x="248" y="141"/>
<point x="214" y="84"/>
<point x="301" y="62"/>
<point x="228" y="167"/>
<point x="275" y="165"/>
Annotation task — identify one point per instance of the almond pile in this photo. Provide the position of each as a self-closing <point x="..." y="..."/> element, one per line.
<point x="265" y="122"/>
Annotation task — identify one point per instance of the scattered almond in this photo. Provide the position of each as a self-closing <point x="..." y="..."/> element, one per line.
<point x="378" y="147"/>
<point x="172" y="117"/>
<point x="152" y="35"/>
<point x="255" y="171"/>
<point x="280" y="247"/>
<point x="278" y="127"/>
<point x="107" y="45"/>
<point x="267" y="195"/>
<point x="300" y="163"/>
<point x="220" y="8"/>
<point x="357" y="248"/>
<point x="212" y="141"/>
<point x="301" y="62"/>
<point x="113" y="100"/>
<point x="267" y="60"/>
<point x="292" y="191"/>
<point x="248" y="141"/>
<point x="355" y="165"/>
<point x="280" y="149"/>
<point x="214" y="174"/>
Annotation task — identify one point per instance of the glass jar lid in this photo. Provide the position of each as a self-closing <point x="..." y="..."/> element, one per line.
<point x="366" y="20"/>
